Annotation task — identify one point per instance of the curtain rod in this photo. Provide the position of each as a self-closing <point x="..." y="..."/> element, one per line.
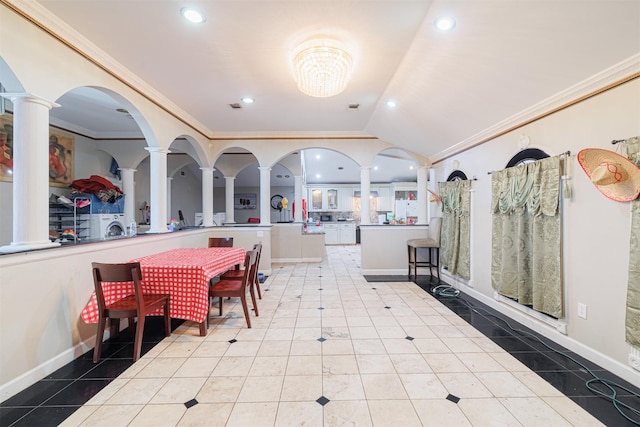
<point x="617" y="141"/>
<point x="566" y="153"/>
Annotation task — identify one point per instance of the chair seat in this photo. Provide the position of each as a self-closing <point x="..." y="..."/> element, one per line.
<point x="129" y="302"/>
<point x="423" y="243"/>
<point x="226" y="286"/>
<point x="233" y="275"/>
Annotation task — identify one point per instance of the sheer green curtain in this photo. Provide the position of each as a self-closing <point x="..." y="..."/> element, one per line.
<point x="633" y="287"/>
<point x="454" y="236"/>
<point x="526" y="264"/>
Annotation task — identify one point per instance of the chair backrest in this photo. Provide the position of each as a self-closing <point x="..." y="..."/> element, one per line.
<point x="220" y="242"/>
<point x="250" y="267"/>
<point x="434" y="228"/>
<point x="258" y="247"/>
<point x="117" y="273"/>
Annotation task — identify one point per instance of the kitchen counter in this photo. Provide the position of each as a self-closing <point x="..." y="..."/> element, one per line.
<point x="290" y="243"/>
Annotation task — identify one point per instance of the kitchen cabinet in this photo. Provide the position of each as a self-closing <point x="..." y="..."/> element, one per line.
<point x="385" y="202"/>
<point x="316" y="195"/>
<point x="345" y="200"/>
<point x="323" y="198"/>
<point x="340" y="233"/>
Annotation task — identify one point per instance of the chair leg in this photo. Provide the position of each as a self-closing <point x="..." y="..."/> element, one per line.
<point x="243" y="300"/>
<point x="253" y="300"/>
<point x="97" y="350"/>
<point x="438" y="263"/>
<point x="137" y="345"/>
<point x="132" y="326"/>
<point x="114" y="327"/>
<point x="220" y="304"/>
<point x="167" y="319"/>
<point x="258" y="288"/>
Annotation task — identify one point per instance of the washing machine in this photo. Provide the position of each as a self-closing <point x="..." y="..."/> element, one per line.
<point x="106" y="226"/>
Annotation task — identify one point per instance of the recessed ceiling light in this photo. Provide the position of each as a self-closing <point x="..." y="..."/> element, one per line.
<point x="410" y="167"/>
<point x="317" y="156"/>
<point x="318" y="175"/>
<point x="444" y="23"/>
<point x="192" y="15"/>
<point x="391" y="103"/>
<point x="375" y="168"/>
<point x="248" y="100"/>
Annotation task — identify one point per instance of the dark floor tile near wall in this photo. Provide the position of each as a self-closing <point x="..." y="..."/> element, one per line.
<point x="548" y="361"/>
<point x="54" y="398"/>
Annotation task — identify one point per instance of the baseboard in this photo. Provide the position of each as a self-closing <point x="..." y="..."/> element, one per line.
<point x="385" y="272"/>
<point x="34" y="375"/>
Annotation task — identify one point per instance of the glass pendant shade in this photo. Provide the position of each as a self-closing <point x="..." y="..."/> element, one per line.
<point x="322" y="68"/>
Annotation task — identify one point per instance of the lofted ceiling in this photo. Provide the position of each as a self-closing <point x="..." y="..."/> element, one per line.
<point x="501" y="58"/>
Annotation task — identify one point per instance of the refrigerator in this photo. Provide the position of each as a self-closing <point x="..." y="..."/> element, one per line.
<point x="406" y="209"/>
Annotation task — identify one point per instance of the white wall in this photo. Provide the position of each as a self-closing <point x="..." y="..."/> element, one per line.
<point x="596" y="229"/>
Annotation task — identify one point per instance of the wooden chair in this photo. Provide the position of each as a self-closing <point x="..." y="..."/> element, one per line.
<point x="220" y="242"/>
<point x="237" y="274"/>
<point x="238" y="288"/>
<point x="138" y="305"/>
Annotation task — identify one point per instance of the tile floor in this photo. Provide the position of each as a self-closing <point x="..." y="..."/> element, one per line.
<point x="330" y="348"/>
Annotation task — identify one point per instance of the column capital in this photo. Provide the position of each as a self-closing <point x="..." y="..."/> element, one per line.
<point x="365" y="167"/>
<point x="264" y="168"/>
<point x="127" y="170"/>
<point x="208" y="168"/>
<point x="28" y="97"/>
<point x="157" y="150"/>
<point x="230" y="178"/>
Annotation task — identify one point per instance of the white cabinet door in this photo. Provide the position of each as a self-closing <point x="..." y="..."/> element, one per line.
<point x="347" y="234"/>
<point x="331" y="234"/>
<point x="384" y="199"/>
<point x="316" y="199"/>
<point x="345" y="202"/>
<point x="332" y="199"/>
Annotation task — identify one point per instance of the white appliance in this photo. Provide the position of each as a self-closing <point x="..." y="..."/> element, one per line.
<point x="406" y="209"/>
<point x="219" y="218"/>
<point x="106" y="226"/>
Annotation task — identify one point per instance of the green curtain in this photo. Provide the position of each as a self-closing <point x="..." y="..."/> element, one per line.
<point x="455" y="232"/>
<point x="526" y="229"/>
<point x="633" y="287"/>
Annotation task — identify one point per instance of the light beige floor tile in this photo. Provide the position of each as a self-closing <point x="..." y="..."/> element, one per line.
<point x="261" y="389"/>
<point x="112" y="415"/>
<point x="178" y="390"/>
<point x="410" y="363"/>
<point x="209" y="349"/>
<point x="334" y="321"/>
<point x="375" y="364"/>
<point x="304" y="365"/>
<point x="435" y="320"/>
<point x="197" y="367"/>
<point x="138" y="366"/>
<point x="335" y="332"/>
<point x="371" y="346"/>
<point x="159" y="415"/>
<point x="534" y="412"/>
<point x="399" y="346"/>
<point x="347" y="413"/>
<point x="284" y="322"/>
<point x="488" y="412"/>
<point x="504" y="384"/>
<point x="253" y="334"/>
<point x="279" y="334"/>
<point x="487" y="345"/>
<point x="308" y="322"/>
<point x="301" y="388"/>
<point x="342" y="387"/>
<point x="359" y="321"/>
<point x="307" y="333"/>
<point x="299" y="414"/>
<point x="269" y="366"/>
<point x="76" y="419"/>
<point x="206" y="414"/>
<point x="339" y="364"/>
<point x="363" y="332"/>
<point x="445" y="363"/>
<point x="262" y="414"/>
<point x="464" y="385"/>
<point x="161" y="367"/>
<point x="440" y="413"/>
<point x="383" y="386"/>
<point x="137" y="391"/>
<point x="461" y="345"/>
<point x="480" y="362"/>
<point x="411" y="321"/>
<point x="572" y="412"/>
<point x="337" y="346"/>
<point x="509" y="362"/>
<point x="385" y="322"/>
<point x="537" y="384"/>
<point x="222" y="334"/>
<point x="274" y="348"/>
<point x="182" y="349"/>
<point x="233" y="366"/>
<point x="393" y="413"/>
<point x="420" y="331"/>
<point x="220" y="389"/>
<point x="431" y="345"/>
<point x="390" y="332"/>
<point x="423" y="386"/>
<point x="444" y="331"/>
<point x="106" y="393"/>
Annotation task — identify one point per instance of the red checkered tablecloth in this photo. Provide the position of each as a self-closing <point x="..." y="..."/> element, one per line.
<point x="183" y="273"/>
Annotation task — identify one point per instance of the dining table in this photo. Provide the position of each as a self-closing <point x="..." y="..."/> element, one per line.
<point x="184" y="273"/>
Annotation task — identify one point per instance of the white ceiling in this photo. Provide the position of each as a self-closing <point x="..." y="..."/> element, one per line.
<point x="502" y="57"/>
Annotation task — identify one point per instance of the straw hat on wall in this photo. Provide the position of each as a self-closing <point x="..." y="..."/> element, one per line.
<point x="614" y="175"/>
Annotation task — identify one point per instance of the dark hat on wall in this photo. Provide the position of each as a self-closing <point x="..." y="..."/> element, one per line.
<point x="614" y="175"/>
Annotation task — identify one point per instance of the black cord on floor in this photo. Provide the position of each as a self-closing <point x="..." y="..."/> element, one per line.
<point x="612" y="387"/>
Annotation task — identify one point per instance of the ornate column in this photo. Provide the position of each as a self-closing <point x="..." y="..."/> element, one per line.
<point x="365" y="195"/>
<point x="229" y="193"/>
<point x="423" y="195"/>
<point x="265" y="195"/>
<point x="30" y="173"/>
<point x="129" y="189"/>
<point x="158" y="190"/>
<point x="207" y="196"/>
<point x="297" y="189"/>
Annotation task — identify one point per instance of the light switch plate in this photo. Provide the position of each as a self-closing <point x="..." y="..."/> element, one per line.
<point x="582" y="310"/>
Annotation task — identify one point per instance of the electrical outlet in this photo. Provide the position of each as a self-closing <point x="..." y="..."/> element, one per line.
<point x="582" y="310"/>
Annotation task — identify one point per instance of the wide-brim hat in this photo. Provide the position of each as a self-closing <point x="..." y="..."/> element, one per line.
<point x="614" y="175"/>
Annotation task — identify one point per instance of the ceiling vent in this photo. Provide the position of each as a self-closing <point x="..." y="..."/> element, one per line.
<point x="235" y="105"/>
<point x="354" y="107"/>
